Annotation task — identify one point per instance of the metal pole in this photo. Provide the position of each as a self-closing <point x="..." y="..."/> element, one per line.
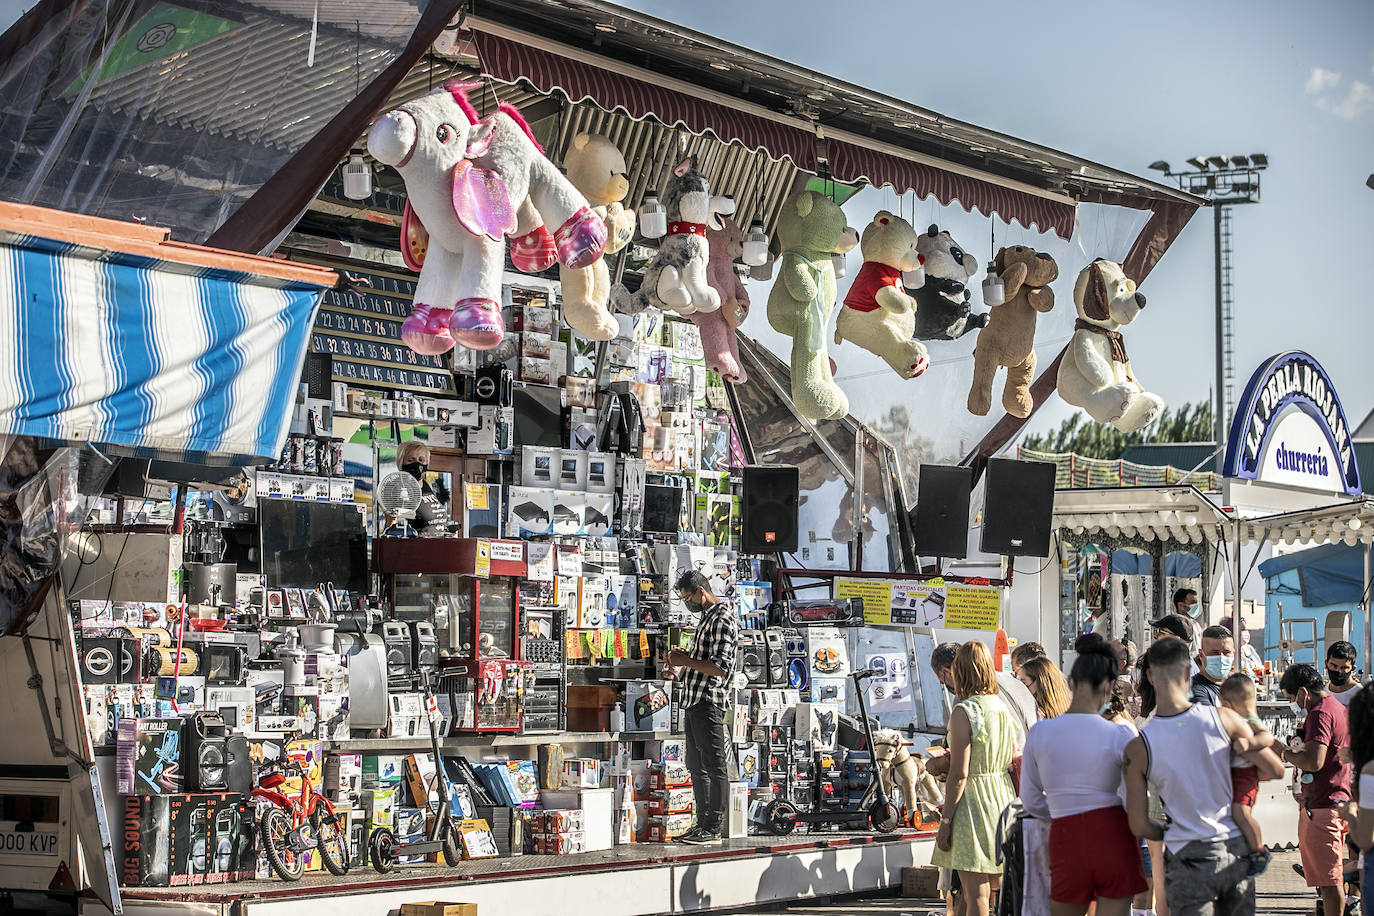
<point x="1236" y="624"/>
<point x="1219" y="398"/>
<point x="1368" y="637"/>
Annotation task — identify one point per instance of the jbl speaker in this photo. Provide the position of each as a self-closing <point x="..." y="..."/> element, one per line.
<point x="753" y="657"/>
<point x="768" y="509"/>
<point x="942" y="511"/>
<point x="1018" y="503"/>
<point x="205" y="762"/>
<point x="424" y="646"/>
<point x="777" y="657"/>
<point x="492" y="385"/>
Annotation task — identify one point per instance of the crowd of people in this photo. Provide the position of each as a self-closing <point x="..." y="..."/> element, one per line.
<point x="1137" y="776"/>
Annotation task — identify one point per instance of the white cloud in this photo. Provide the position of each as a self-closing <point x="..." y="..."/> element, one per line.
<point x="1320" y="79"/>
<point x="1358" y="101"/>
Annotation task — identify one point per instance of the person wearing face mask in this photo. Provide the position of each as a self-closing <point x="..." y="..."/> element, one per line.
<point x="431" y="517"/>
<point x="1326" y="781"/>
<point x="1071" y="777"/>
<point x="1214" y="661"/>
<point x="1340" y="672"/>
<point x="705" y="671"/>
<point x="1185" y="602"/>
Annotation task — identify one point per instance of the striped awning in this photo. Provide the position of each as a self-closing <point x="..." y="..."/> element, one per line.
<point x="617" y="86"/>
<point x="114" y="335"/>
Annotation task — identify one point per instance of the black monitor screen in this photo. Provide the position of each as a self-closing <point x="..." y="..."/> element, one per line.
<point x="305" y="544"/>
<point x="538" y="415"/>
<point x="662" y="508"/>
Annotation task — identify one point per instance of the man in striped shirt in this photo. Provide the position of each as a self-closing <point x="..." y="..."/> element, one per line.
<point x="707" y="668"/>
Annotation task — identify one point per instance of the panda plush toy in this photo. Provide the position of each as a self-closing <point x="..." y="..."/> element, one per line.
<point x="942" y="304"/>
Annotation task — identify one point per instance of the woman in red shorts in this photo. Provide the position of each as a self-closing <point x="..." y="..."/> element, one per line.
<point x="1071" y="773"/>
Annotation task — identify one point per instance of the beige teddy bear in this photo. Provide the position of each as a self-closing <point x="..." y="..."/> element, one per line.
<point x="597" y="169"/>
<point x="1009" y="337"/>
<point x="878" y="315"/>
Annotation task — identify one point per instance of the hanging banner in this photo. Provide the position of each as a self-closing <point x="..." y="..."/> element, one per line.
<point x="920" y="604"/>
<point x="876" y="595"/>
<point x="971" y="607"/>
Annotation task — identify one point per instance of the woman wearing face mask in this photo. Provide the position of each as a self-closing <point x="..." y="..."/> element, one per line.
<point x="1072" y="775"/>
<point x="432" y="515"/>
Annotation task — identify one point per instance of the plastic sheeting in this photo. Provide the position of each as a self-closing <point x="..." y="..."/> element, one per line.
<point x="175" y="114"/>
<point x="1329" y="574"/>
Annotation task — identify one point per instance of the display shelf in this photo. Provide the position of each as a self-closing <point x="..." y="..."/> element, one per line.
<point x="382" y="745"/>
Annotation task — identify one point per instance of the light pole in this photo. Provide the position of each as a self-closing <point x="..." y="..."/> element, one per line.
<point x="1225" y="181"/>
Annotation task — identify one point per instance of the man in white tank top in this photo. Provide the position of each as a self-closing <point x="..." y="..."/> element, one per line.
<point x="1185" y="750"/>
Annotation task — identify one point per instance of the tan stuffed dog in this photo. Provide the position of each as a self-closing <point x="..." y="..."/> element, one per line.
<point x="1095" y="373"/>
<point x="1009" y="338"/>
<point x="596" y="168"/>
<point x="897" y="766"/>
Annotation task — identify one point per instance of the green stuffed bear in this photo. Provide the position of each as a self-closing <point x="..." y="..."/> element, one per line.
<point x="811" y="228"/>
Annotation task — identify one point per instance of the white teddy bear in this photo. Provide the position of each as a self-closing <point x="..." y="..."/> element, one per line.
<point x="1095" y="373"/>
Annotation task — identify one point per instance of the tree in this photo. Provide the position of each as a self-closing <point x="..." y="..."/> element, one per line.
<point x="1192" y="423"/>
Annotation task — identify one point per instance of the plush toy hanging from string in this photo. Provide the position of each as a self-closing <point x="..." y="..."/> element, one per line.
<point x="994" y="292"/>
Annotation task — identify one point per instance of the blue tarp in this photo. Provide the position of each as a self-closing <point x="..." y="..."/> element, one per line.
<point x="1182" y="565"/>
<point x="1130" y="563"/>
<point x="1329" y="574"/>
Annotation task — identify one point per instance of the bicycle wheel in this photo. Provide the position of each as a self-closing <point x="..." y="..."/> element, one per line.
<point x="382" y="850"/>
<point x="331" y="840"/>
<point x="274" y="829"/>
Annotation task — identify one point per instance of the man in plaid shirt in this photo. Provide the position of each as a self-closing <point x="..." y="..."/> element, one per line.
<point x="708" y="667"/>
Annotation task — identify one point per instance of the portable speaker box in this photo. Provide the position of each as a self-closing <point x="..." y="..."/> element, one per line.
<point x="753" y="657"/>
<point x="768" y="509"/>
<point x="1017" y="507"/>
<point x="942" y="511"/>
<point x="492" y="385"/>
<point x="184" y="840"/>
<point x="205" y="756"/>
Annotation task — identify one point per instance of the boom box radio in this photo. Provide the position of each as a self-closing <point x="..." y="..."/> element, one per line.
<point x="753" y="657"/>
<point x="776" y="645"/>
<point x="798" y="670"/>
<point x="396" y="641"/>
<point x="205" y="761"/>
<point x="492" y="385"/>
<point x="842" y="612"/>
<point x="424" y="646"/>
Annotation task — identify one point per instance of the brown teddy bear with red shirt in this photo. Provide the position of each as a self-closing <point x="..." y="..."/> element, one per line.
<point x="878" y="315"/>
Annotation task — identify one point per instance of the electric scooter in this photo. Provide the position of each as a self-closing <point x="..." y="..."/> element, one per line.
<point x="875" y="809"/>
<point x="385" y="848"/>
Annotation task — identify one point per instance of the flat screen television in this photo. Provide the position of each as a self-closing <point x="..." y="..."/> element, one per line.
<point x="538" y="413"/>
<point x="662" y="509"/>
<point x="305" y="543"/>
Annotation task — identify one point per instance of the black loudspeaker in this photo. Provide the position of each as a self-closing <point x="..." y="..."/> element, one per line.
<point x="493" y="385"/>
<point x="768" y="509"/>
<point x="206" y="762"/>
<point x="753" y="657"/>
<point x="777" y="657"/>
<point x="424" y="646"/>
<point x="942" y="511"/>
<point x="1017" y="506"/>
<point x="240" y="764"/>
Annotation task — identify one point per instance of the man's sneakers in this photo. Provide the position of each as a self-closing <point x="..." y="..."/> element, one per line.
<point x="700" y="836"/>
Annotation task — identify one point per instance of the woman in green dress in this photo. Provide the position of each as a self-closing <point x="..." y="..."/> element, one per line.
<point x="982" y="740"/>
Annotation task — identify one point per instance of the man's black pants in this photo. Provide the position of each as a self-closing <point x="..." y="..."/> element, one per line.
<point x="708" y="744"/>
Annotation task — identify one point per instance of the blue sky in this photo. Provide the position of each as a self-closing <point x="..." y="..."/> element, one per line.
<point x="1125" y="84"/>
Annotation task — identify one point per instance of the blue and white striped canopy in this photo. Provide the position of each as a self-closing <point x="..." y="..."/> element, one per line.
<point x="148" y="356"/>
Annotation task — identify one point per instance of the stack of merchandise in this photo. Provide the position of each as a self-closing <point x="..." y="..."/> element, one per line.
<point x="558" y="833"/>
<point x="671" y="807"/>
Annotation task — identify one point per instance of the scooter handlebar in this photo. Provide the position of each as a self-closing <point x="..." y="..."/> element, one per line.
<point x="862" y="675"/>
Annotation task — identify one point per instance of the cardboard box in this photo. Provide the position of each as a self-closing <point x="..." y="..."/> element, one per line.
<point x="820" y="723"/>
<point x="560" y="820"/>
<point x="434" y="908"/>
<point x="647" y="706"/>
<point x="922" y="881"/>
<point x="598" y="514"/>
<point x="581" y="773"/>
<point x="665" y="829"/>
<point x="382" y="770"/>
<point x="672" y="801"/>
<point x="529" y="511"/>
<point x="148" y="756"/>
<point x="182" y="840"/>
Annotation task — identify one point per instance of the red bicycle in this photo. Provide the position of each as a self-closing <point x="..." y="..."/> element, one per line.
<point x="294" y="826"/>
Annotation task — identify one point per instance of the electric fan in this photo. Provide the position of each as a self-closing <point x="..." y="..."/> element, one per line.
<point x="399" y="495"/>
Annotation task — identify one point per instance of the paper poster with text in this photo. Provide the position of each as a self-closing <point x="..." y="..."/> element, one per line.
<point x="876" y="595"/>
<point x="890" y="689"/>
<point x="973" y="607"/>
<point x="920" y="604"/>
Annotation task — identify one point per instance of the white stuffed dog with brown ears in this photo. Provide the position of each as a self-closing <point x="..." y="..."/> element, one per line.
<point x="1095" y="373"/>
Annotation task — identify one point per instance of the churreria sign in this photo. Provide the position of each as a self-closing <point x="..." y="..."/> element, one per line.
<point x="1290" y="428"/>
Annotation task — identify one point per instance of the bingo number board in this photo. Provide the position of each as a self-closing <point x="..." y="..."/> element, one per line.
<point x="360" y="328"/>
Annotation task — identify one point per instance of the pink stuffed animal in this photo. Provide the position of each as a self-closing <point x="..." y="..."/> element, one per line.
<point x="717" y="328"/>
<point x="470" y="183"/>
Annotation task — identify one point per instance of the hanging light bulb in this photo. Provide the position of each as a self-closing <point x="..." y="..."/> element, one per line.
<point x="357" y="178"/>
<point x="755" y="245"/>
<point x="837" y="263"/>
<point x="994" y="293"/>
<point x="653" y="217"/>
